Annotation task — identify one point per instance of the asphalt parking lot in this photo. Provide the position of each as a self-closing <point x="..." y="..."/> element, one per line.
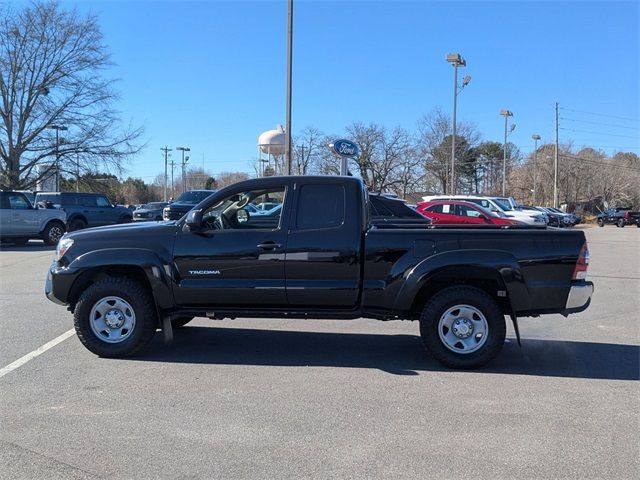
<point x="324" y="399"/>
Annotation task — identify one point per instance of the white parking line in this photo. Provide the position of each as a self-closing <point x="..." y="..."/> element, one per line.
<point x="38" y="351"/>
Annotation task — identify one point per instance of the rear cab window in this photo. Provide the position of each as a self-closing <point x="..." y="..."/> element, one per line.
<point x="320" y="206"/>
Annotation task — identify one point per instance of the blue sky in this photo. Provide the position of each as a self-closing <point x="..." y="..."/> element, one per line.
<point x="211" y="75"/>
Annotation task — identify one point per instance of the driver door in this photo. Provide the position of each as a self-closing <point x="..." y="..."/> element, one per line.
<point x="236" y="260"/>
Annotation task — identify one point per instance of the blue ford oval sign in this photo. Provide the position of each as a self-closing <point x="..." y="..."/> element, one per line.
<point x="344" y="148"/>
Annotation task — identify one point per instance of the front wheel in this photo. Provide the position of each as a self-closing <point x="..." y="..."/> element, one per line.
<point x="620" y="223"/>
<point x="52" y="233"/>
<point x="115" y="317"/>
<point x="600" y="222"/>
<point x="462" y="327"/>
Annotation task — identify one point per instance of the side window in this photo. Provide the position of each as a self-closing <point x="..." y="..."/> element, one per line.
<point x="253" y="210"/>
<point x="18" y="202"/>
<point x="87" y="201"/>
<point x="103" y="202"/>
<point x="447" y="209"/>
<point x="435" y="209"/>
<point x="320" y="206"/>
<point x="465" y="211"/>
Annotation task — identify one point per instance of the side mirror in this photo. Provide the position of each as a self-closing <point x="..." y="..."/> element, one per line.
<point x="42" y="205"/>
<point x="242" y="216"/>
<point x="194" y="220"/>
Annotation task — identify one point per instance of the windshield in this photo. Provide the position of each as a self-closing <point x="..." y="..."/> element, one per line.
<point x="193" y="197"/>
<point x="503" y="203"/>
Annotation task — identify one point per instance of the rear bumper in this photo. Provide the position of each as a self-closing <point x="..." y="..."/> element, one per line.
<point x="579" y="297"/>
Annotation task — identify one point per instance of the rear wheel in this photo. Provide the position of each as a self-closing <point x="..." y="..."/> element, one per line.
<point x="115" y="317"/>
<point x="462" y="327"/>
<point x="620" y="223"/>
<point x="52" y="233"/>
<point x="77" y="224"/>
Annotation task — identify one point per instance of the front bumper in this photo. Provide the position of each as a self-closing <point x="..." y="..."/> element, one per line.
<point x="579" y="297"/>
<point x="58" y="284"/>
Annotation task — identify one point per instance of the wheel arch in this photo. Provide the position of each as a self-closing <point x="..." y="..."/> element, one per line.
<point x="141" y="265"/>
<point x="493" y="271"/>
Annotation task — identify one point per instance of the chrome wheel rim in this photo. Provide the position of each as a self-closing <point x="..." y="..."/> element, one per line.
<point x="55" y="233"/>
<point x="112" y="319"/>
<point x="463" y="329"/>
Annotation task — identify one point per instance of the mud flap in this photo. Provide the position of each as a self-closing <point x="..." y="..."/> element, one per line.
<point x="167" y="330"/>
<point x="514" y="319"/>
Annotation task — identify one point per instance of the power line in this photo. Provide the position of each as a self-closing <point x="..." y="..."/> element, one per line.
<point x="598" y="123"/>
<point x="597" y="133"/>
<point x="600" y="114"/>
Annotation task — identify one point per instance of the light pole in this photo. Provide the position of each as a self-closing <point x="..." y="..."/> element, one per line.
<point x="535" y="138"/>
<point x="456" y="60"/>
<point x="184" y="162"/>
<point x="287" y="133"/>
<point x="506" y="114"/>
<point x="57" y="128"/>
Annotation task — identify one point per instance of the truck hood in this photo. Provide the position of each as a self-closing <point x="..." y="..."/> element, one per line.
<point x="123" y="230"/>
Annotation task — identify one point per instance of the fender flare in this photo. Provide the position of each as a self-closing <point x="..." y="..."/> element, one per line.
<point x="158" y="273"/>
<point x="504" y="264"/>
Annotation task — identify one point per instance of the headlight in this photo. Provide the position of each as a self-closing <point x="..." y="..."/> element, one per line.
<point x="63" y="245"/>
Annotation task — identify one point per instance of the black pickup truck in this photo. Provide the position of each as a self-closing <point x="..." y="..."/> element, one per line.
<point x="320" y="257"/>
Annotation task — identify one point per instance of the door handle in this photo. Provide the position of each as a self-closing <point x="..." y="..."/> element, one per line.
<point x="268" y="245"/>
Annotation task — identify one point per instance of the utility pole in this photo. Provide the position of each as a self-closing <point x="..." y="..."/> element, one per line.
<point x="173" y="166"/>
<point x="287" y="133"/>
<point x="555" y="163"/>
<point x="184" y="162"/>
<point x="166" y="151"/>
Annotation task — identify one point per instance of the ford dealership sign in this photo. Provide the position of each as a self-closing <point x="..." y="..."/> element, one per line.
<point x="344" y="148"/>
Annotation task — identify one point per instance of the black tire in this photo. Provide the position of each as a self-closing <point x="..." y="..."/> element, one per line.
<point x="141" y="302"/>
<point x="125" y="219"/>
<point x="158" y="218"/>
<point x="620" y="223"/>
<point x="446" y="299"/>
<point x="600" y="222"/>
<point x="179" y="322"/>
<point x="77" y="224"/>
<point x="53" y="232"/>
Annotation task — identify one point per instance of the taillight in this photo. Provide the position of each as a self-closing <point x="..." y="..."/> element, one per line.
<point x="580" y="272"/>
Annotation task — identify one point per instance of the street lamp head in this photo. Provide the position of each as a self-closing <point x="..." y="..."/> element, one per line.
<point x="506" y="113"/>
<point x="535" y="136"/>
<point x="466" y="80"/>
<point x="183" y="149"/>
<point x="456" y="59"/>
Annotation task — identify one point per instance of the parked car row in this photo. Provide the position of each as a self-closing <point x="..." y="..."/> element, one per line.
<point x="472" y="209"/>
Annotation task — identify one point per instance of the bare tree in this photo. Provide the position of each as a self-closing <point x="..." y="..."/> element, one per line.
<point x="51" y="65"/>
<point x="308" y="151"/>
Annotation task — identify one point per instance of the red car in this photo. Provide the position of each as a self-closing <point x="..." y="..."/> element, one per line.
<point x="458" y="212"/>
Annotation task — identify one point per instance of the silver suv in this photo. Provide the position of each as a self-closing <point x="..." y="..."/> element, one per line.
<point x="21" y="221"/>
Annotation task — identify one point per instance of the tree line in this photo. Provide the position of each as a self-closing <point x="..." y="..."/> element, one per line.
<point x="57" y="117"/>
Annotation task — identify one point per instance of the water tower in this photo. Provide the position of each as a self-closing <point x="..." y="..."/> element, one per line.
<point x="271" y="143"/>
